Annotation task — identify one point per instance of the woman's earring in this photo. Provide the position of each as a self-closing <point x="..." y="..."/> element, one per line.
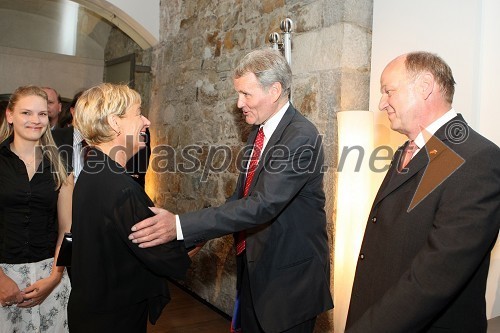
<point x="117" y="132"/>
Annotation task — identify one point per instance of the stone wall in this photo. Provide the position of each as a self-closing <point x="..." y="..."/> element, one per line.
<point x="193" y="104"/>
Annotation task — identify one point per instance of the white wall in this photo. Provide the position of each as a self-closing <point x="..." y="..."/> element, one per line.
<point x="66" y="74"/>
<point x="465" y="34"/>
<point x="487" y="120"/>
<point x="145" y="12"/>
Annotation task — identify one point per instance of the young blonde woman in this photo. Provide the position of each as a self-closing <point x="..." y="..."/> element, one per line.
<point x="35" y="211"/>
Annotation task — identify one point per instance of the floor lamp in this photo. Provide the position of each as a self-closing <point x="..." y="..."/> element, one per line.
<point x="354" y="198"/>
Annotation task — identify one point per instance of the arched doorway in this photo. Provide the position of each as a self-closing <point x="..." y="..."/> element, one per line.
<point x="118" y="13"/>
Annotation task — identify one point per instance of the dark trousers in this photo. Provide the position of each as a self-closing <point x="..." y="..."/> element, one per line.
<point x="129" y="319"/>
<point x="249" y="321"/>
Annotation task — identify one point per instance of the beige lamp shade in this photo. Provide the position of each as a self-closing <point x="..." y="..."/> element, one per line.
<point x="353" y="201"/>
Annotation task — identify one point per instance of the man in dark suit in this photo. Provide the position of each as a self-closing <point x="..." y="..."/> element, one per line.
<point x="69" y="140"/>
<point x="63" y="137"/>
<point x="425" y="255"/>
<point x="54" y="106"/>
<point x="283" y="271"/>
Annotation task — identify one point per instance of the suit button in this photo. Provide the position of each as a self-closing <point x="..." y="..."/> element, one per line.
<point x="361" y="256"/>
<point x="374" y="219"/>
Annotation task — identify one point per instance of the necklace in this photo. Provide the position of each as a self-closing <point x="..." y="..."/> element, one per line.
<point x="26" y="162"/>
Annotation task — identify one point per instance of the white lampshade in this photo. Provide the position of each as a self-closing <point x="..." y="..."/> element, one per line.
<point x="354" y="198"/>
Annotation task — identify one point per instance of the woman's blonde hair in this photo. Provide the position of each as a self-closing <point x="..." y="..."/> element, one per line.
<point x="96" y="104"/>
<point x="46" y="141"/>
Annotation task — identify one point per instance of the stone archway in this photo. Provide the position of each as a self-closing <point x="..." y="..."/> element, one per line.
<point x="137" y="32"/>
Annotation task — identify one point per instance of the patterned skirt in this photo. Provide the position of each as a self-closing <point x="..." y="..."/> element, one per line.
<point x="51" y="315"/>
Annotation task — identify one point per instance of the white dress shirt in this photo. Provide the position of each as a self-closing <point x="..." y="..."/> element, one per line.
<point x="422" y="139"/>
<point x="77" y="153"/>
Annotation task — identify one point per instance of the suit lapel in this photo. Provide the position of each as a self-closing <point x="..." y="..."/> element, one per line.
<point x="443" y="162"/>
<point x="436" y="157"/>
<point x="64" y="140"/>
<point x="276" y="137"/>
<point x="395" y="179"/>
<point x="271" y="143"/>
<point x="388" y="176"/>
<point x="247" y="150"/>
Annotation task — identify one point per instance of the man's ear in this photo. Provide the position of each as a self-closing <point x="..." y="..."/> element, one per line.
<point x="276" y="90"/>
<point x="426" y="84"/>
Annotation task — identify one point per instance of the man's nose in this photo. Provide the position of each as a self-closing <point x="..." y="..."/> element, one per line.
<point x="382" y="105"/>
<point x="240" y="103"/>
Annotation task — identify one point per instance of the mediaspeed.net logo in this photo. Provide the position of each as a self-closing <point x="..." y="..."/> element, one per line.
<point x="443" y="160"/>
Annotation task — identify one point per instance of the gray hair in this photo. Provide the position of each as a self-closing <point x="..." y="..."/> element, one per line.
<point x="269" y="66"/>
<point x="418" y="62"/>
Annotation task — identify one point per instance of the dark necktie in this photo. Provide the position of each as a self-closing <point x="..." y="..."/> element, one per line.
<point x="254" y="161"/>
<point x="407" y="154"/>
<point x="241" y="236"/>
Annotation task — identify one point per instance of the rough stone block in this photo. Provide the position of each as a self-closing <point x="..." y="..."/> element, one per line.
<point x="357" y="47"/>
<point x="317" y="50"/>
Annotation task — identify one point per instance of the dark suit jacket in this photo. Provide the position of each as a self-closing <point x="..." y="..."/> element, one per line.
<point x="287" y="244"/>
<point x="109" y="271"/>
<point x="425" y="270"/>
<point x="63" y="137"/>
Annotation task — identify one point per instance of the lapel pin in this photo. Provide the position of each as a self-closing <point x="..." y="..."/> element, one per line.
<point x="433" y="152"/>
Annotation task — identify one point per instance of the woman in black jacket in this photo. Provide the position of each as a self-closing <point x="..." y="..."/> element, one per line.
<point x="116" y="284"/>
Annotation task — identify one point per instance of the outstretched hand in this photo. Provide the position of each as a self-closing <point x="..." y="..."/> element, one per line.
<point x="155" y="230"/>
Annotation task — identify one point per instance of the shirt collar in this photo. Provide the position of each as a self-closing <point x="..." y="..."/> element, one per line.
<point x="272" y="123"/>
<point x="420" y="140"/>
<point x="77" y="136"/>
<point x="5" y="147"/>
<point x="6" y="142"/>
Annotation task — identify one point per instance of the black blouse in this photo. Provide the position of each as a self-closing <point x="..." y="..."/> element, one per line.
<point x="110" y="272"/>
<point x="28" y="224"/>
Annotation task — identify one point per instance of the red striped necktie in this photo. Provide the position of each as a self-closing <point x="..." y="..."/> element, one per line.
<point x="252" y="166"/>
<point x="407" y="154"/>
<point x="241" y="236"/>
